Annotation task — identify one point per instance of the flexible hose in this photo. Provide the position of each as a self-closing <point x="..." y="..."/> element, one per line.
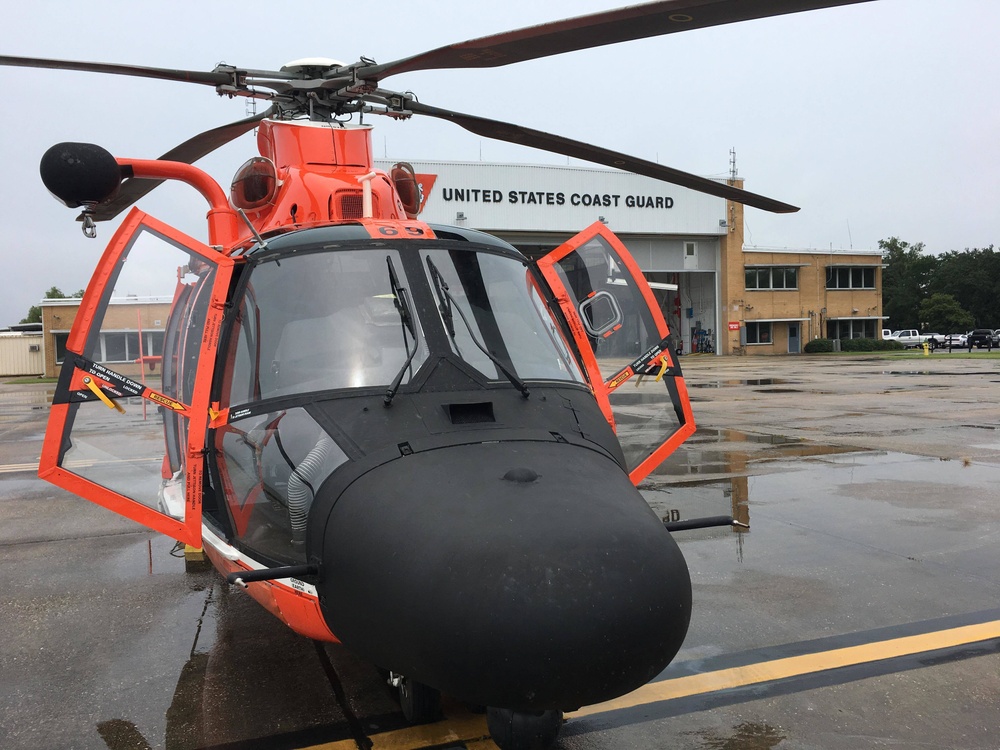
<point x="300" y="486"/>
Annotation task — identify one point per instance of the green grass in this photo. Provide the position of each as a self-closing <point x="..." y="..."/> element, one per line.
<point x="919" y="354"/>
<point x="29" y="381"/>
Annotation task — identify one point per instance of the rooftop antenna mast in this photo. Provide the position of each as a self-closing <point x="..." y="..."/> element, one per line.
<point x="733" y="176"/>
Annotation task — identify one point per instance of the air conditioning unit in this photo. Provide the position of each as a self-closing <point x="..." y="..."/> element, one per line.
<point x="34" y="348"/>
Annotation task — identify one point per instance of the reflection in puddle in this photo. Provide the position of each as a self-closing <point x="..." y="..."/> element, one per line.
<point x="727" y="451"/>
<point x="14" y="405"/>
<point x="708" y="434"/>
<point x="22" y="398"/>
<point x="710" y="475"/>
<point x="682" y="502"/>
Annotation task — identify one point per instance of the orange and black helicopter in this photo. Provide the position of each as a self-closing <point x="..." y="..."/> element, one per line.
<point x="396" y="435"/>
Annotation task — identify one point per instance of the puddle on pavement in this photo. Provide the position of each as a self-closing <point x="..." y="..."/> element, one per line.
<point x="734" y="383"/>
<point x="14" y="405"/>
<point x="942" y="374"/>
<point x="228" y="666"/>
<point x="715" y="472"/>
<point x="745" y="736"/>
<point x="727" y="451"/>
<point x="26" y="397"/>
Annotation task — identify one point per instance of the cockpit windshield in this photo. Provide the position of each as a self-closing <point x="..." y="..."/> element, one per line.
<point x="334" y="318"/>
<point x="324" y="320"/>
<point x="491" y="301"/>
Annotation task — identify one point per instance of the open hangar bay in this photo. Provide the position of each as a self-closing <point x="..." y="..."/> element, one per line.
<point x="861" y="609"/>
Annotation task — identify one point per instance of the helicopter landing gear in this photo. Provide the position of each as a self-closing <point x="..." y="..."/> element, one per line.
<point x="522" y="730"/>
<point x="420" y="704"/>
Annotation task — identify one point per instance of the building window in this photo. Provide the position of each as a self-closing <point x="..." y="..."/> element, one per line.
<point x="115" y="347"/>
<point x="772" y="278"/>
<point x="61" y="339"/>
<point x="119" y="346"/>
<point x="690" y="249"/>
<point x="155" y="346"/>
<point x="758" y="333"/>
<point x="851" y="329"/>
<point x="850" y="277"/>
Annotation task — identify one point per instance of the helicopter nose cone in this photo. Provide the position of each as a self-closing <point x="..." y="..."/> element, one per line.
<point x="520" y="575"/>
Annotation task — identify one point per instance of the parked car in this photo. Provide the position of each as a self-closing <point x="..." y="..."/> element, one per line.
<point x="955" y="340"/>
<point x="981" y="338"/>
<point x="934" y="340"/>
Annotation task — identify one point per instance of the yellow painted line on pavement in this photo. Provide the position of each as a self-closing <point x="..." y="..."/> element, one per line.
<point x="469" y="729"/>
<point x="341" y="745"/>
<point x="796" y="666"/>
<point x="79" y="464"/>
<point x="466" y="729"/>
<point x="14" y="468"/>
<point x="472" y="732"/>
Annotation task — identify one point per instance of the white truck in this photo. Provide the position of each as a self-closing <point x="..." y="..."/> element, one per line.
<point x="911" y="338"/>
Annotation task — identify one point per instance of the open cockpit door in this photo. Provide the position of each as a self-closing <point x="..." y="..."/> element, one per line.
<point x="619" y="330"/>
<point x="130" y="412"/>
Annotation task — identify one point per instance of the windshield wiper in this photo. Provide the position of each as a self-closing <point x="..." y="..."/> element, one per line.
<point x="445" y="305"/>
<point x="398" y="298"/>
<point x="444" y="301"/>
<point x="406" y="318"/>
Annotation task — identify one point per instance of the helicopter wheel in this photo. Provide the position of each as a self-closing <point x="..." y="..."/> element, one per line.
<point x="420" y="704"/>
<point x="522" y="730"/>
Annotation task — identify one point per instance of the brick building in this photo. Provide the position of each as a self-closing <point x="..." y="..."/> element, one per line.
<point x="132" y="327"/>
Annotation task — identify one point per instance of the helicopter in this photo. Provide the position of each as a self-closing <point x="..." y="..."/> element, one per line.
<point x="395" y="435"/>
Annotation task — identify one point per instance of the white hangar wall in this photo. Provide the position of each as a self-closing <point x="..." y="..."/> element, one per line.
<point x="525" y="198"/>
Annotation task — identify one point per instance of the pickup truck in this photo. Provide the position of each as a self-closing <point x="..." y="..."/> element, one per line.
<point x="981" y="338"/>
<point x="911" y="337"/>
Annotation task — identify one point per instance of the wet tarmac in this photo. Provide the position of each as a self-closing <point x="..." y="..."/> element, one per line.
<point x="860" y="610"/>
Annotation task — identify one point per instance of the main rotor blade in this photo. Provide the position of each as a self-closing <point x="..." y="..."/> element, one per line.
<point x="209" y="78"/>
<point x="595" y="30"/>
<point x="188" y="152"/>
<point x="503" y="131"/>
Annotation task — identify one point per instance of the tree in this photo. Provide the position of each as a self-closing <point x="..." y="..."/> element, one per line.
<point x="35" y="311"/>
<point x="972" y="277"/>
<point x="905" y="281"/>
<point x="942" y="313"/>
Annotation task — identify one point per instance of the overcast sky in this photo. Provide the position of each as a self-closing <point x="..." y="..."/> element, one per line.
<point x="879" y="120"/>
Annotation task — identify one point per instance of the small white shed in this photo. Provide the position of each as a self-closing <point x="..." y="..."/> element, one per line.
<point x="21" y="353"/>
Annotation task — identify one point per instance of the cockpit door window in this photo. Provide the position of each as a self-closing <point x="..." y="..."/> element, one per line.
<point x="128" y="421"/>
<point x="619" y="330"/>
